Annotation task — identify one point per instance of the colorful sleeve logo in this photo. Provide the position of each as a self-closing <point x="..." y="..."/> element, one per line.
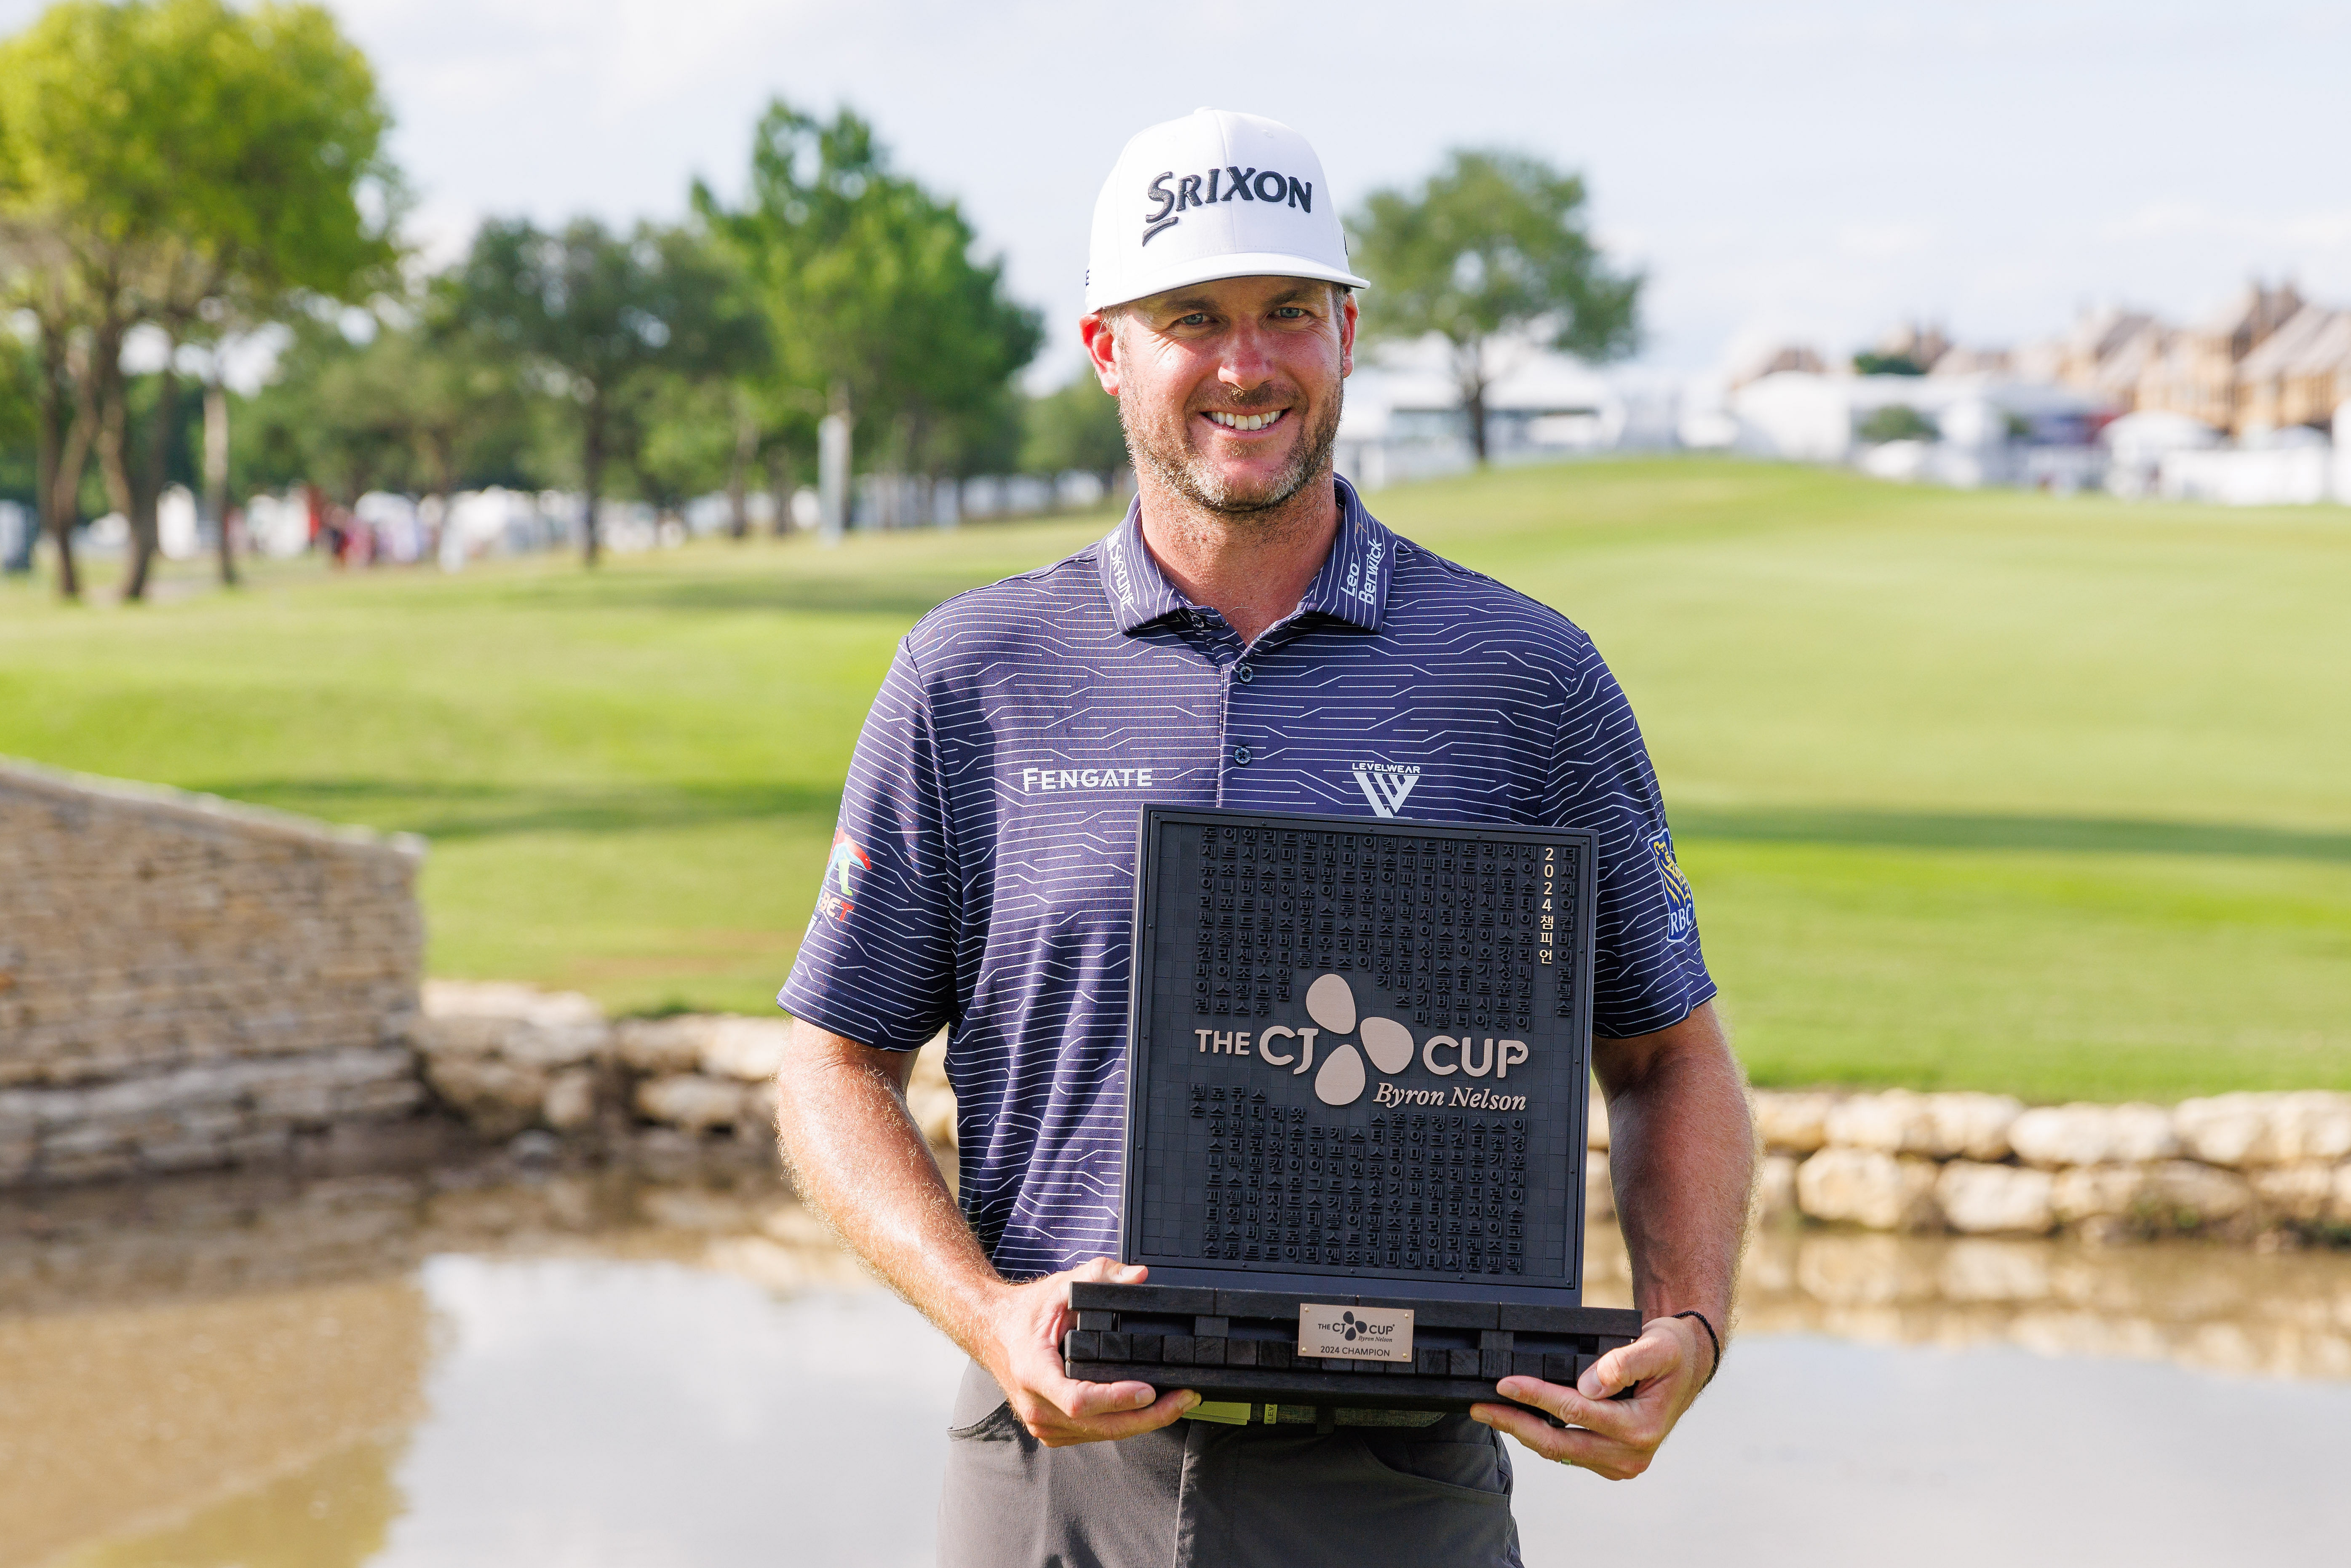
<point x="1681" y="905"/>
<point x="840" y="876"/>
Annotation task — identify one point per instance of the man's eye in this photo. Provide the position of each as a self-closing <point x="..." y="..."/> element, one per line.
<point x="1292" y="312"/>
<point x="1194" y="320"/>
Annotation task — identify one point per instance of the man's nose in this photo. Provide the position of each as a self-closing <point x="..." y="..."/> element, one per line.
<point x="1244" y="363"/>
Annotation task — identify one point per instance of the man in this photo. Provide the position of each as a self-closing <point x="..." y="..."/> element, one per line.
<point x="1249" y="636"/>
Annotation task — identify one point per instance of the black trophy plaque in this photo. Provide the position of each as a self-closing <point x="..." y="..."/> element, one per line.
<point x="1357" y="1061"/>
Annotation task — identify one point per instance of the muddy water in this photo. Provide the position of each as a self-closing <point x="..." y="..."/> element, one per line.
<point x="391" y="1371"/>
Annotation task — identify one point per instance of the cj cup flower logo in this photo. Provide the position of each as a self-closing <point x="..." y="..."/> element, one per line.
<point x="1342" y="1078"/>
<point x="1330" y="1003"/>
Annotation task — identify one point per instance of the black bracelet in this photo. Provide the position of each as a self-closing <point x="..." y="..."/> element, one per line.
<point x="1712" y="1338"/>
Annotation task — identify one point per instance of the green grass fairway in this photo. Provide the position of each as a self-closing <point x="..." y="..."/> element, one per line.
<point x="1986" y="790"/>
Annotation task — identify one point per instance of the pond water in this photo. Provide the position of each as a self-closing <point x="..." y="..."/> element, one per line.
<point x="599" y="1372"/>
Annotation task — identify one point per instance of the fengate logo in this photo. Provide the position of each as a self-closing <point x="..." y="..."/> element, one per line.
<point x="1681" y="904"/>
<point x="1330" y="1003"/>
<point x="1240" y="184"/>
<point x="848" y="858"/>
<point x="1386" y="785"/>
<point x="1046" y="780"/>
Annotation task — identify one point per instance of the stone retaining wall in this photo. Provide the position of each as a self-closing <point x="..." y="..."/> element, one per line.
<point x="185" y="983"/>
<point x="512" y="1060"/>
<point x="515" y="1062"/>
<point x="2232" y="1165"/>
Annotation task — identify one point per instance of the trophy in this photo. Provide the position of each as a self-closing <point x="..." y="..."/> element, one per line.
<point x="1357" y="1069"/>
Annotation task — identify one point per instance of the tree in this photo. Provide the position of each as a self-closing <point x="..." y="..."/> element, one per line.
<point x="593" y="314"/>
<point x="1871" y="362"/>
<point x="876" y="309"/>
<point x="162" y="160"/>
<point x="1492" y="250"/>
<point x="1897" y="421"/>
<point x="1076" y="426"/>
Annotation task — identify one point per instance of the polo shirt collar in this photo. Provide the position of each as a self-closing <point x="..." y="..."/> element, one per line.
<point x="1352" y="585"/>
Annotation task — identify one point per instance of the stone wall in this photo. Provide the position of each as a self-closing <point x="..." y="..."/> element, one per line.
<point x="516" y="1063"/>
<point x="2229" y="1165"/>
<point x="185" y="983"/>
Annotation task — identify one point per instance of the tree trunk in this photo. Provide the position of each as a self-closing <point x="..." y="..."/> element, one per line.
<point x="106" y="406"/>
<point x="1469" y="373"/>
<point x="592" y="474"/>
<point x="1475" y="404"/>
<point x="53" y="507"/>
<point x="738" y="469"/>
<point x="217" y="473"/>
<point x="779" y="491"/>
<point x="147" y="485"/>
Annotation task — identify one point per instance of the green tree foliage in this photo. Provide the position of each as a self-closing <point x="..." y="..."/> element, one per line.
<point x="1869" y="362"/>
<point x="597" y="316"/>
<point x="408" y="407"/>
<point x="1895" y="421"/>
<point x="1074" y="427"/>
<point x="876" y="308"/>
<point x="1492" y="249"/>
<point x="170" y="163"/>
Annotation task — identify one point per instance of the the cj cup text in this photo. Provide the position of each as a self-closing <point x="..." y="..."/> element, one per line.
<point x="1389" y="1045"/>
<point x="1467" y="1054"/>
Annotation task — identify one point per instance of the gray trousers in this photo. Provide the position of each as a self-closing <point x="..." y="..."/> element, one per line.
<point x="1202" y="1495"/>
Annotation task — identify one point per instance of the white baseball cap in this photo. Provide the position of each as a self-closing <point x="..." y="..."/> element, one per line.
<point x="1214" y="194"/>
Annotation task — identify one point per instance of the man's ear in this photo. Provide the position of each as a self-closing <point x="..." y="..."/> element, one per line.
<point x="1347" y="312"/>
<point x="1101" y="335"/>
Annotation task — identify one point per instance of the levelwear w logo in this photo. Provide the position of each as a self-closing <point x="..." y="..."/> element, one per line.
<point x="1386" y="785"/>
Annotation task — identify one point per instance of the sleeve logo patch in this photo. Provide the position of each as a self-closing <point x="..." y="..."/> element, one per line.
<point x="839" y="877"/>
<point x="1681" y="904"/>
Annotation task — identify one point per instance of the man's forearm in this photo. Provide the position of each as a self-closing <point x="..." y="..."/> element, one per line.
<point x="855" y="1156"/>
<point x="1682" y="1158"/>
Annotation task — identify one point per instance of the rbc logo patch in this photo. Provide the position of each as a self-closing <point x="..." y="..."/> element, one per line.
<point x="1681" y="905"/>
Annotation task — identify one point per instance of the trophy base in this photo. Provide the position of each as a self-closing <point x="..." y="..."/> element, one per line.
<point x="1241" y="1347"/>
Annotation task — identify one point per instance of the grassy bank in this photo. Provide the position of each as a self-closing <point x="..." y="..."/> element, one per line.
<point x="1977" y="789"/>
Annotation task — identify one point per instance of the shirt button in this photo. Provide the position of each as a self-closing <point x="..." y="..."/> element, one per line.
<point x="1240" y="757"/>
<point x="1243" y="673"/>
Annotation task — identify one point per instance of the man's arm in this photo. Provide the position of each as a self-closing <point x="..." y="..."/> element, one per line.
<point x="1682" y="1154"/>
<point x="855" y="1155"/>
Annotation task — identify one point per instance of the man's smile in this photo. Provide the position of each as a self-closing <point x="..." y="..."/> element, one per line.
<point x="1245" y="421"/>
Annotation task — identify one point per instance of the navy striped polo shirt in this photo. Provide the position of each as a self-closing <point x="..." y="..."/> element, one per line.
<point x="983" y="869"/>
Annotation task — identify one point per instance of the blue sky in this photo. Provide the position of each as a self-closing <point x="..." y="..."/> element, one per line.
<point x="1806" y="167"/>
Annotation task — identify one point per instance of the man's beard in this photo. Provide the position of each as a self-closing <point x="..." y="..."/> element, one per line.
<point x="1171" y="458"/>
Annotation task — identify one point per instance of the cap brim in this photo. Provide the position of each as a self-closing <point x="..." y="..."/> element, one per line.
<point x="1242" y="264"/>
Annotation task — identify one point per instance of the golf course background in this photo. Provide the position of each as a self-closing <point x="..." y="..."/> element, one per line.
<point x="1978" y="791"/>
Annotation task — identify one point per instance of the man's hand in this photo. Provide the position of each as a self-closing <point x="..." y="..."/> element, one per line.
<point x="1024" y="1354"/>
<point x="1616" y="1439"/>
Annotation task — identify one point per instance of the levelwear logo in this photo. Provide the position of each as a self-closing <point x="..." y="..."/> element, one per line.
<point x="1240" y="184"/>
<point x="1386" y="785"/>
<point x="1330" y="1003"/>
